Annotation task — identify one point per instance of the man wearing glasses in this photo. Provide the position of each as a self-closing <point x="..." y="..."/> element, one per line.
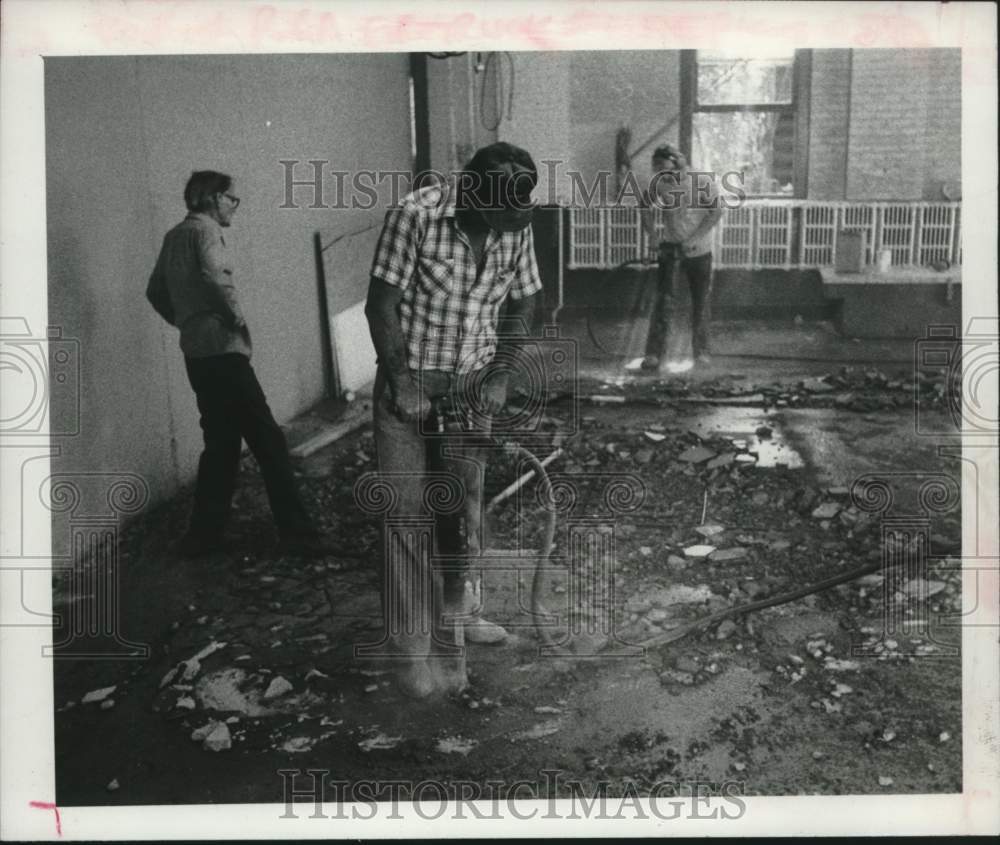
<point x="690" y="210"/>
<point x="449" y="258"/>
<point x="192" y="288"/>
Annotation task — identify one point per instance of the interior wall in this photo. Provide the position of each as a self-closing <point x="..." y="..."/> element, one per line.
<point x="635" y="89"/>
<point x="829" y="104"/>
<point x="567" y="107"/>
<point x="904" y="141"/>
<point x="122" y="136"/>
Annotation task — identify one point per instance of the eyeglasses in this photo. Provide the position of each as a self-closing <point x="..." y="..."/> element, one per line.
<point x="234" y="200"/>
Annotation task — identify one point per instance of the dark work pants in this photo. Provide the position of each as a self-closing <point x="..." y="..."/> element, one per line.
<point x="233" y="408"/>
<point x="662" y="319"/>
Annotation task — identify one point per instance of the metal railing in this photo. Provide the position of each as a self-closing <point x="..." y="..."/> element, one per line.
<point x="783" y="234"/>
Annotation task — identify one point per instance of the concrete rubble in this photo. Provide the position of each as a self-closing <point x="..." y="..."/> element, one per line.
<point x="723" y="522"/>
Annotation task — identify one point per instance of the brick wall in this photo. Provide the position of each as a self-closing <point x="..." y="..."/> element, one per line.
<point x="829" y="99"/>
<point x="888" y="116"/>
<point x="943" y="130"/>
<point x="885" y="124"/>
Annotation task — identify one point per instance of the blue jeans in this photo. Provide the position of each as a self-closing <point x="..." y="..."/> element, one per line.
<point x="426" y="471"/>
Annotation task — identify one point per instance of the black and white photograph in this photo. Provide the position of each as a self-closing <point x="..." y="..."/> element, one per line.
<point x="501" y="418"/>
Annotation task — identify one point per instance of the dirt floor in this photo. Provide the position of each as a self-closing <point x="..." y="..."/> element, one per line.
<point x="850" y="691"/>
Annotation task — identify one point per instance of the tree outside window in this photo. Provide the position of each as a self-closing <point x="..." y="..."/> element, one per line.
<point x="742" y="116"/>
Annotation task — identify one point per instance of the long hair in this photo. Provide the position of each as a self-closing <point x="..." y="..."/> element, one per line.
<point x="202" y="186"/>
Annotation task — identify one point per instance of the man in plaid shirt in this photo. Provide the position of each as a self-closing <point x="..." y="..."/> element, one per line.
<point x="450" y="257"/>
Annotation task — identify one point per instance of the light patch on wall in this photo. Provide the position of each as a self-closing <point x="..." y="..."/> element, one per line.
<point x="353" y="347"/>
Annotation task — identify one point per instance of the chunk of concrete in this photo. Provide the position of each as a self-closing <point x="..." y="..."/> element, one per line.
<point x="278" y="687"/>
<point x="219" y="739"/>
<point x="97" y="695"/>
<point x="723" y="555"/>
<point x="828" y="510"/>
<point x="696" y="455"/>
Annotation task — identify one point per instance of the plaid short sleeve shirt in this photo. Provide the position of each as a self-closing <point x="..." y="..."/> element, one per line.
<point x="449" y="311"/>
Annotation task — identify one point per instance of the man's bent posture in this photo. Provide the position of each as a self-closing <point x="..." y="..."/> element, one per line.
<point x="448" y="259"/>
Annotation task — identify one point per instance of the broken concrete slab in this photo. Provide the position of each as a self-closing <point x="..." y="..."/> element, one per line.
<point x="279" y="686"/>
<point x="455" y="745"/>
<point x="219" y="739"/>
<point x="699" y="551"/>
<point x="918" y="587"/>
<point x="683" y="663"/>
<point x="169" y="677"/>
<point x="710" y="529"/>
<point x="540" y="730"/>
<point x="199" y="734"/>
<point x="828" y="510"/>
<point x="723" y="460"/>
<point x="223" y="691"/>
<point x="379" y="742"/>
<point x="696" y="455"/>
<point x="725" y="630"/>
<point x="723" y="555"/>
<point x="98" y="695"/>
<point x="815" y="385"/>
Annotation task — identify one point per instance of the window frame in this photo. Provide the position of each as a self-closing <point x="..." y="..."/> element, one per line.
<point x="798" y="108"/>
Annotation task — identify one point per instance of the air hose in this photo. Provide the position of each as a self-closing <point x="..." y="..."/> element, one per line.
<point x="539" y="581"/>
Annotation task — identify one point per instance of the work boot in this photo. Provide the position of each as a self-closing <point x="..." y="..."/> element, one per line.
<point x="415" y="678"/>
<point x="477" y="629"/>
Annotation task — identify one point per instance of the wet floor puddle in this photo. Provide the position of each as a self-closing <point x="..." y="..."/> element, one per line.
<point x="741" y="425"/>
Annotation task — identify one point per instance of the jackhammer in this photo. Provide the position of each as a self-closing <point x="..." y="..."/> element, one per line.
<point x="449" y="418"/>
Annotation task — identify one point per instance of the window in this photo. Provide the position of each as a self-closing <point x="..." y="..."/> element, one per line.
<point x="745" y="112"/>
